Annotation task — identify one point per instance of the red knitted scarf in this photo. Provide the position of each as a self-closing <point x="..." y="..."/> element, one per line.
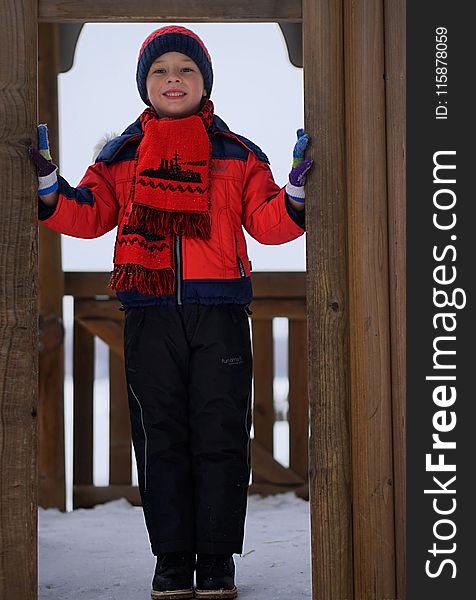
<point x="169" y="196"/>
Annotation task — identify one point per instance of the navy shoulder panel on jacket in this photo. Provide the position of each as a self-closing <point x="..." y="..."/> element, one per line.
<point x="225" y="144"/>
<point x="260" y="155"/>
<point x="230" y="148"/>
<point x="119" y="148"/>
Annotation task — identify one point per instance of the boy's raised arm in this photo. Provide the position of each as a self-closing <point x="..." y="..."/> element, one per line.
<point x="87" y="211"/>
<point x="272" y="215"/>
<point x="46" y="170"/>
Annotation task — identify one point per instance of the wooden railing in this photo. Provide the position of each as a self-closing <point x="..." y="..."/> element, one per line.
<point x="97" y="314"/>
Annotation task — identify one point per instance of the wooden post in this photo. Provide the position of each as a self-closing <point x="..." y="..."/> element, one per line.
<point x="18" y="301"/>
<point x="369" y="303"/>
<point x="298" y="415"/>
<point x="83" y="393"/>
<point x="395" y="95"/>
<point x="120" y="450"/>
<point x="178" y="11"/>
<point x="52" y="490"/>
<point x="263" y="410"/>
<point x="327" y="302"/>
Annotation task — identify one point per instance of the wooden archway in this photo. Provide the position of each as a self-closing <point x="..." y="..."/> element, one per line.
<point x="354" y="99"/>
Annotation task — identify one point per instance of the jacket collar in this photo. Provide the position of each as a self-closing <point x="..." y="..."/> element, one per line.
<point x="134" y="132"/>
<point x="218" y="125"/>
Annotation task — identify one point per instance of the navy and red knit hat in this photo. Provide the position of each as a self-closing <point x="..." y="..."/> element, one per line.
<point x="172" y="39"/>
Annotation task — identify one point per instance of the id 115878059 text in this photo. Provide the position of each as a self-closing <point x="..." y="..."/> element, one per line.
<point x="441" y="72"/>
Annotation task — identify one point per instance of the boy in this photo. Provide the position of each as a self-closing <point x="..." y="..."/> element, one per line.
<point x="180" y="185"/>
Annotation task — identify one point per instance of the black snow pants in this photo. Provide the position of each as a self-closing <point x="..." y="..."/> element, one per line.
<point x="188" y="371"/>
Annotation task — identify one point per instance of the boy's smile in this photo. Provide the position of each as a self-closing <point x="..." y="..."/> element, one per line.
<point x="175" y="85"/>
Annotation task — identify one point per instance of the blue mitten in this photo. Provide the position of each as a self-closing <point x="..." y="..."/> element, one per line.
<point x="45" y="169"/>
<point x="301" y="165"/>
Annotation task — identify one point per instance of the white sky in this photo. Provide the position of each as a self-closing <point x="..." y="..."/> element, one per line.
<point x="256" y="91"/>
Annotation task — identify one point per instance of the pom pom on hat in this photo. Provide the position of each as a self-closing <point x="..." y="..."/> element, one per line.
<point x="172" y="39"/>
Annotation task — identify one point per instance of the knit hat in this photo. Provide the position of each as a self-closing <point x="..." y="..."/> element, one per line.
<point x="172" y="39"/>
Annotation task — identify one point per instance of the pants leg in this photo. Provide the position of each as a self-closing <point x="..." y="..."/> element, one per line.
<point x="157" y="364"/>
<point x="220" y="421"/>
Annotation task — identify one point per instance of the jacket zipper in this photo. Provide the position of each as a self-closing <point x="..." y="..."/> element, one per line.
<point x="178" y="267"/>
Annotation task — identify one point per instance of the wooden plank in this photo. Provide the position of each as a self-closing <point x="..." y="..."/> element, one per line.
<point x="263" y="373"/>
<point x="279" y="285"/>
<point x="51" y="463"/>
<point x="83" y="391"/>
<point x="395" y="94"/>
<point x="164" y="10"/>
<point x="267" y="308"/>
<point x="265" y="285"/>
<point x="88" y="496"/>
<point x="268" y="489"/>
<point x="110" y="332"/>
<point x="263" y="308"/>
<point x="120" y="454"/>
<point x="327" y="302"/>
<point x="298" y="414"/>
<point x="18" y="302"/>
<point x="269" y="469"/>
<point x="371" y="430"/>
<point x="87" y="284"/>
<point x="90" y="308"/>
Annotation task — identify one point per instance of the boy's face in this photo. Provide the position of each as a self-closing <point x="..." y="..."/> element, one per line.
<point x="175" y="85"/>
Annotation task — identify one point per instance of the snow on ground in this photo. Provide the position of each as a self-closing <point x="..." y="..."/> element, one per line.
<point x="103" y="553"/>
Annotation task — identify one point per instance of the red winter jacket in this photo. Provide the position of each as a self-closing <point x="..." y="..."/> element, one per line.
<point x="243" y="193"/>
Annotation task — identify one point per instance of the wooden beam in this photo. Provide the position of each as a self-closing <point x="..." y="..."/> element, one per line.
<point x="109" y="11"/>
<point x="263" y="308"/>
<point x="276" y="285"/>
<point x="298" y="415"/>
<point x="18" y="302"/>
<point x="279" y="285"/>
<point x="120" y="449"/>
<point x="395" y="94"/>
<point x="269" y="469"/>
<point x="327" y="302"/>
<point x="88" y="308"/>
<point x="83" y="400"/>
<point x="267" y="489"/>
<point x="267" y="308"/>
<point x="110" y="332"/>
<point x="88" y="496"/>
<point x="51" y="467"/>
<point x="263" y="374"/>
<point x="369" y="303"/>
<point x="84" y="284"/>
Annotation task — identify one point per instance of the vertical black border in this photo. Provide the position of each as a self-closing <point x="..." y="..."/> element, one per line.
<point x="425" y="136"/>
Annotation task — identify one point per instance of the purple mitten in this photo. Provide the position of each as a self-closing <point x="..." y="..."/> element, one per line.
<point x="45" y="169"/>
<point x="301" y="165"/>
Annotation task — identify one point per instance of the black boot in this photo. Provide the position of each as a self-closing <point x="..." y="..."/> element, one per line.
<point x="215" y="576"/>
<point x="173" y="578"/>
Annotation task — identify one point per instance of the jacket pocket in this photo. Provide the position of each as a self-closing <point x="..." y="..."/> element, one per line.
<point x="242" y="260"/>
<point x="227" y="240"/>
<point x="241" y="267"/>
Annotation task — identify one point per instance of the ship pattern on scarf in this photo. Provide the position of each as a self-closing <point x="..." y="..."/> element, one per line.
<point x="171" y="169"/>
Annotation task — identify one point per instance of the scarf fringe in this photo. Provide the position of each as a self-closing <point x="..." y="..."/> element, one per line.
<point x="157" y="222"/>
<point x="130" y="277"/>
